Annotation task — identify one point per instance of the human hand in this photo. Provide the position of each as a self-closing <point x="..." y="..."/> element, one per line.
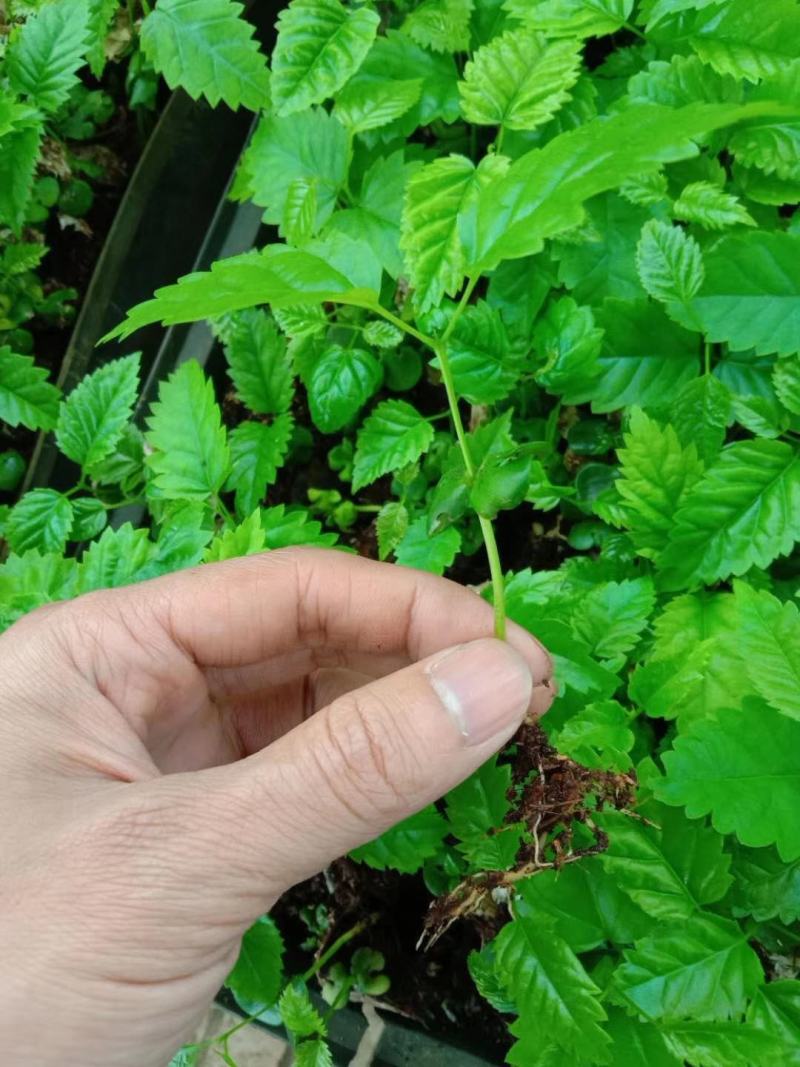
<point x="175" y="755"/>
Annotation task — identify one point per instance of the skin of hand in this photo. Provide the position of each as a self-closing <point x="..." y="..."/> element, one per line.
<point x="175" y="755"/>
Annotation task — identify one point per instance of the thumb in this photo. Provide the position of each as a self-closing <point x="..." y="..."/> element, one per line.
<point x="377" y="755"/>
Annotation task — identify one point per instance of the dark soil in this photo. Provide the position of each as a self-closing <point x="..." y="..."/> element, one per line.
<point x="431" y="987"/>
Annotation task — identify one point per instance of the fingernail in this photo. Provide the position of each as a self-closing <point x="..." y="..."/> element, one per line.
<point x="485" y="687"/>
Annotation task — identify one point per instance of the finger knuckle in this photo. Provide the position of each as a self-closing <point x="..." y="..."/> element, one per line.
<point x="366" y="755"/>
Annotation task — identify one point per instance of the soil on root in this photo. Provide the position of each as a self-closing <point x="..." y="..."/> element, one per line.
<point x="426" y="942"/>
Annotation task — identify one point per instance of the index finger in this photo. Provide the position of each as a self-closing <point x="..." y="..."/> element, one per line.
<point x="244" y="611"/>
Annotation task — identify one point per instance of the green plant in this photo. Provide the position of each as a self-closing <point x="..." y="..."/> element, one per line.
<point x="590" y="248"/>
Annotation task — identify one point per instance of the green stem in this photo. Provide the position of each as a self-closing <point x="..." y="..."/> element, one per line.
<point x="337" y="945"/>
<point x="707" y="356"/>
<point x="634" y="30"/>
<point x="439" y="347"/>
<point x="378" y="309"/>
<point x="498" y="581"/>
<point x="487" y="529"/>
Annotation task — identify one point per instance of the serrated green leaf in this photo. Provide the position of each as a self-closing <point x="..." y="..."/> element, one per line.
<point x="710" y="207"/>
<point x="585" y="905"/>
<point x="786" y="381"/>
<point x="19" y="154"/>
<point x="488" y="981"/>
<point x="298" y="1013"/>
<point x="519" y="80"/>
<point x="436" y="197"/>
<point x="396" y="58"/>
<point x="485" y="366"/>
<point x="479" y="804"/>
<point x="33" y="579"/>
<point x="382" y="334"/>
<point x="406" y="846"/>
<point x="769" y="632"/>
<point x="603" y="263"/>
<point x="243" y="540"/>
<point x="258" y="452"/>
<point x="775" y="1010"/>
<point x="646" y="358"/>
<point x="773" y="147"/>
<point x="258" y="362"/>
<point x="118" y="558"/>
<point x="636" y="1043"/>
<point x="743" y="767"/>
<point x="300" y="212"/>
<point x="656" y="474"/>
<point x="281" y="276"/>
<point x="315" y="1053"/>
<point x="190" y="458"/>
<point x="441" y="25"/>
<point x="394" y="435"/>
<point x="391" y="527"/>
<point x="543" y="192"/>
<point x="301" y="321"/>
<point x="258" y="973"/>
<point x="744" y="41"/>
<point x="751" y="294"/>
<point x="700" y="415"/>
<point x="207" y="48"/>
<point x="764" y="886"/>
<point x="611" y="616"/>
<point x="669" y="262"/>
<point x="361" y="107"/>
<point x="552" y="991"/>
<point x="310" y="146"/>
<point x="425" y="551"/>
<point x="669" y="866"/>
<point x="342" y="381"/>
<point x="683" y="80"/>
<point x="89" y="518"/>
<point x="598" y="736"/>
<point x="41" y="519"/>
<point x="720" y="1044"/>
<point x="26" y="396"/>
<point x="321" y="44"/>
<point x="374" y="216"/>
<point x="283" y="528"/>
<point x="745" y="510"/>
<point x="702" y="968"/>
<point x="568" y="340"/>
<point x="92" y="418"/>
<point x="43" y="58"/>
<point x="567" y="18"/>
<point x="186" y="529"/>
<point x="695" y="668"/>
